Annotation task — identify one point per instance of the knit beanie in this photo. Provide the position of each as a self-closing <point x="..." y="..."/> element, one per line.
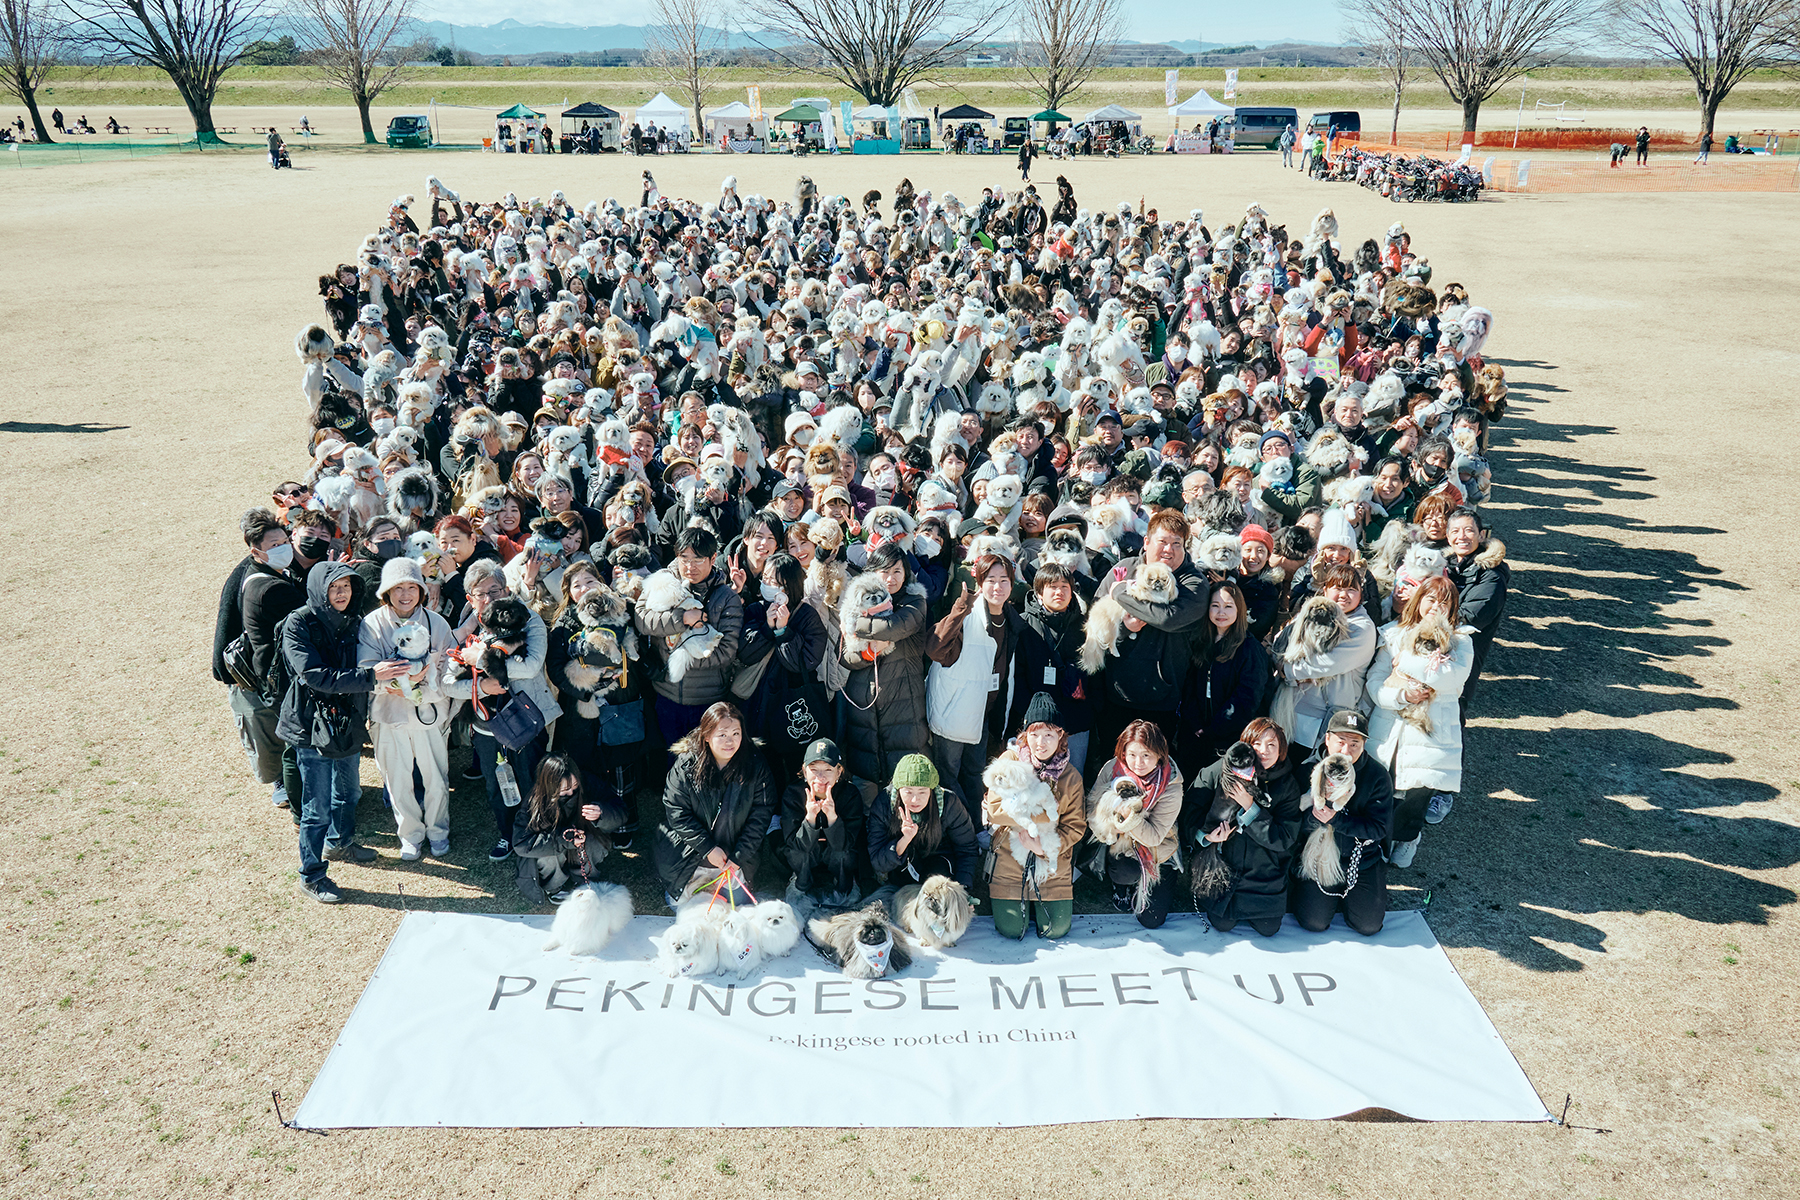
<point x="1334" y="530"/>
<point x="1256" y="533"/>
<point x="915" y="770"/>
<point x="1042" y="711"/>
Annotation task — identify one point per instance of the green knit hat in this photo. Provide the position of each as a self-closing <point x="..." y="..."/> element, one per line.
<point x="915" y="770"/>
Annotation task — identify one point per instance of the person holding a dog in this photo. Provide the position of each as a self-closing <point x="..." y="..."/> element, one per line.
<point x="1018" y="896"/>
<point x="1361" y="825"/>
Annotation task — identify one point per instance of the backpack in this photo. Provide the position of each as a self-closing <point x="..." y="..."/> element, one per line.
<point x="280" y="678"/>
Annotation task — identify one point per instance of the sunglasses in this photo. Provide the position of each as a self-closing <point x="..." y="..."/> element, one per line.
<point x="290" y="493"/>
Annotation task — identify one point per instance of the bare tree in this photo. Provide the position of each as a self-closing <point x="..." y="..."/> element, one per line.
<point x="193" y="42"/>
<point x="877" y="48"/>
<point x="358" y="45"/>
<point x="1062" y="42"/>
<point x="1375" y="25"/>
<point x="1720" y="42"/>
<point x="685" y="44"/>
<point x="1477" y="47"/>
<point x="28" y="46"/>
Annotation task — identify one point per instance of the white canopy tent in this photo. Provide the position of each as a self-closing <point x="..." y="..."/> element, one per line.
<point x="736" y="117"/>
<point x="1201" y="105"/>
<point x="665" y="112"/>
<point x="1112" y="112"/>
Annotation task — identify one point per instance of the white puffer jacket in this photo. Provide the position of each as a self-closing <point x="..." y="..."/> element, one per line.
<point x="1417" y="759"/>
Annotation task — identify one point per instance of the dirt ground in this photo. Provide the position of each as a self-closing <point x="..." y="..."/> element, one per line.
<point x="1616" y="885"/>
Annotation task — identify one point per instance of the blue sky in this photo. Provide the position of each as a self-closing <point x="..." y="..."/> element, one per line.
<point x="1149" y="20"/>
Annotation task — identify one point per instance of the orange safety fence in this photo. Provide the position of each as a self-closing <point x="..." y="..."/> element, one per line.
<point x="1565" y="138"/>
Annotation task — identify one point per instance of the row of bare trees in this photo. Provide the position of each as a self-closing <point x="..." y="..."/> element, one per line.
<point x="878" y="48"/>
<point x="1477" y="47"/>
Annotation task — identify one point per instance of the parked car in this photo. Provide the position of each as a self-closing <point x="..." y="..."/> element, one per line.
<point x="1263" y="126"/>
<point x="1347" y="123"/>
<point x="410" y="132"/>
<point x="1017" y="130"/>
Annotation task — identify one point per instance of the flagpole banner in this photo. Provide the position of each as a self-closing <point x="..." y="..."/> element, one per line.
<point x="1231" y="84"/>
<point x="1171" y="83"/>
<point x="468" y="1021"/>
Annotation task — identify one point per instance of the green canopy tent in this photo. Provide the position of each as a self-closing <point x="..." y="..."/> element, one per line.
<point x="518" y="112"/>
<point x="524" y="123"/>
<point x="1052" y="116"/>
<point x="803" y="113"/>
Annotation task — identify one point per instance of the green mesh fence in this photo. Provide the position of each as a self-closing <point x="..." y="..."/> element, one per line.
<point x="72" y="153"/>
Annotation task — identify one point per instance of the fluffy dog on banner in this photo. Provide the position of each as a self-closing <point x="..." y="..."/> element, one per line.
<point x="1333" y="785"/>
<point x="863" y="944"/>
<point x="752" y="935"/>
<point x="689" y="950"/>
<point x="591" y="917"/>
<point x="935" y="913"/>
<point x="1029" y="801"/>
<point x="1211" y="876"/>
<point x="664" y="596"/>
<point x="1153" y="583"/>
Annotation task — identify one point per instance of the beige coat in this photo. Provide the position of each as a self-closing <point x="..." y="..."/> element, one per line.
<point x="1155" y="828"/>
<point x="1071" y="824"/>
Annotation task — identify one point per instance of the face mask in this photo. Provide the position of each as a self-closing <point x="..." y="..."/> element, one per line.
<point x="543" y="431"/>
<point x="1431" y="472"/>
<point x="1094" y="477"/>
<point x="387" y="548"/>
<point x="773" y="594"/>
<point x="282" y="557"/>
<point x="927" y="547"/>
<point x="884" y="479"/>
<point x="382" y="426"/>
<point x="1177" y="353"/>
<point x="313" y="548"/>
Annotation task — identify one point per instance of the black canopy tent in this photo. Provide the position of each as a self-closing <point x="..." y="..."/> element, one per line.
<point x="590" y="113"/>
<point x="965" y="112"/>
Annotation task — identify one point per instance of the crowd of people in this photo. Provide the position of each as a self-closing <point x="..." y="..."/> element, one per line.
<point x="849" y="519"/>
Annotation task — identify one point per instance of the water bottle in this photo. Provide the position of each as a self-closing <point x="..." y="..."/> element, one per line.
<point x="509" y="787"/>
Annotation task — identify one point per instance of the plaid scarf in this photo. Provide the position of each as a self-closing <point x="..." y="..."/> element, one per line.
<point x="1051" y="769"/>
<point x="1153" y="784"/>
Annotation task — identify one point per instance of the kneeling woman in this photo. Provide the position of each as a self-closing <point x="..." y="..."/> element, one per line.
<point x="1257" y="842"/>
<point x="822" y="828"/>
<point x="717" y="801"/>
<point x="918" y="829"/>
<point x="1042" y="746"/>
<point x="1139" y="847"/>
<point x="558" y="833"/>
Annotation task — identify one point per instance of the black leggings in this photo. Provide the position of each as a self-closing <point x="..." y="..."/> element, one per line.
<point x="1363" y="908"/>
<point x="1267" y="926"/>
<point x="1409" y="813"/>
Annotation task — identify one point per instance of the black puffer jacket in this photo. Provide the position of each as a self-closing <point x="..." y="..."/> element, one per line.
<point x="1259" y="854"/>
<point x="1369" y="817"/>
<point x="887" y="720"/>
<point x="734" y="817"/>
<point x="1056" y="647"/>
<point x="321" y="646"/>
<point x="1153" y="662"/>
<point x="954" y="840"/>
<point x="824" y="857"/>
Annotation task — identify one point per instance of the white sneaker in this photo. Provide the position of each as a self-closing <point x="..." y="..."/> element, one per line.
<point x="1400" y="854"/>
<point x="409" y="852"/>
<point x="440" y="848"/>
<point x="1439" y="808"/>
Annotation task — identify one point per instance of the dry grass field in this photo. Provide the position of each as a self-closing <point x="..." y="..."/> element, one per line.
<point x="1617" y="884"/>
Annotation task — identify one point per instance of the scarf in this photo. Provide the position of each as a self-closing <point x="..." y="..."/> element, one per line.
<point x="1153" y="785"/>
<point x="1049" y="770"/>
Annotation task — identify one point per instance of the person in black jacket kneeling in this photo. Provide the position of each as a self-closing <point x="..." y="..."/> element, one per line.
<point x="1362" y="826"/>
<point x="1258" y="844"/>
<point x="717" y="801"/>
<point x="822" y="828"/>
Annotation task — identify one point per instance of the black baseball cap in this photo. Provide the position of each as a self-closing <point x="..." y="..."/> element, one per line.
<point x="824" y="750"/>
<point x="1348" y="720"/>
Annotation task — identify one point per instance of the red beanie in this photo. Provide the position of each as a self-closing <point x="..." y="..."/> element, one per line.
<point x="1256" y="533"/>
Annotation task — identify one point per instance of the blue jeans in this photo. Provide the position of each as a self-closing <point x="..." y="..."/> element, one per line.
<point x="524" y="765"/>
<point x="330" y="792"/>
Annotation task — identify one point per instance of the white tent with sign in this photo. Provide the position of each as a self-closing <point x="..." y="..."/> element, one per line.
<point x="1200" y="106"/>
<point x="734" y="119"/>
<point x="665" y="112"/>
<point x="1112" y="112"/>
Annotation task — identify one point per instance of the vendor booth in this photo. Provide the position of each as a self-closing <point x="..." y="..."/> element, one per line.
<point x="874" y="130"/>
<point x="1112" y="127"/>
<point x="1194" y="117"/>
<point x="517" y="131"/>
<point x="808" y="132"/>
<point x="667" y="115"/>
<point x="734" y="130"/>
<point x="590" y="128"/>
<point x="968" y="130"/>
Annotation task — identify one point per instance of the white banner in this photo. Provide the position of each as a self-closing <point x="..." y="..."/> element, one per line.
<point x="1171" y="81"/>
<point x="469" y="1022"/>
<point x="1231" y="84"/>
<point x="755" y="94"/>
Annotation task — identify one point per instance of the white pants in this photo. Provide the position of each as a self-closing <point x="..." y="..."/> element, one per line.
<point x="399" y="748"/>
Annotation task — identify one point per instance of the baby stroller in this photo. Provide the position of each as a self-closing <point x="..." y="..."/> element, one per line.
<point x="278" y="157"/>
